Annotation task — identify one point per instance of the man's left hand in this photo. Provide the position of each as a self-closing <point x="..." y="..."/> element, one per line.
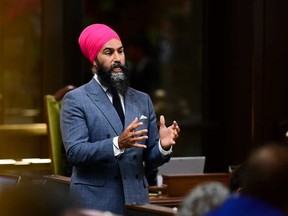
<point x="168" y="135"/>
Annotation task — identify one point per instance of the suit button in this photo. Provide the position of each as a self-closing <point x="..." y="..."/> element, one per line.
<point x="137" y="176"/>
<point x="135" y="156"/>
<point x="116" y="177"/>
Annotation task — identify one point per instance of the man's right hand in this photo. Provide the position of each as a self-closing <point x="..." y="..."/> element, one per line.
<point x="130" y="138"/>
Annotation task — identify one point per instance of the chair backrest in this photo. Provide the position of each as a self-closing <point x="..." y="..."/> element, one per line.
<point x="53" y="108"/>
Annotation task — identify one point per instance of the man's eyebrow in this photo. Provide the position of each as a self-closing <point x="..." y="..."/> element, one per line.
<point x="110" y="48"/>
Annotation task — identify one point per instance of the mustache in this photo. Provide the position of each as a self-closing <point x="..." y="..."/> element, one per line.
<point x="119" y="65"/>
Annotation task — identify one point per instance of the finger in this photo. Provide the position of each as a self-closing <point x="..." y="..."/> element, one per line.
<point x="139" y="138"/>
<point x="172" y="142"/>
<point x="140" y="132"/>
<point x="137" y="145"/>
<point x="162" y="121"/>
<point x="129" y="127"/>
<point x="133" y="127"/>
<point x="176" y="135"/>
<point x="176" y="126"/>
<point x="134" y="124"/>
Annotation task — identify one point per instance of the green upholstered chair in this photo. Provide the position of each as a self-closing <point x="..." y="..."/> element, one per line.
<point x="57" y="154"/>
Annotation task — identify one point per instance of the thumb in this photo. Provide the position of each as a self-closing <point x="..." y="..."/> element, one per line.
<point x="162" y="121"/>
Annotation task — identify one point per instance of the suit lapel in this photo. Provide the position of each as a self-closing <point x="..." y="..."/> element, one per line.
<point x="131" y="107"/>
<point x="100" y="99"/>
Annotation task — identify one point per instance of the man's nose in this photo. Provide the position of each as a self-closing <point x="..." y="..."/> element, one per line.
<point x="116" y="57"/>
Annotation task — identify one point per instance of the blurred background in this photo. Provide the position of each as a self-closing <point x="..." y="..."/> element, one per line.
<point x="218" y="67"/>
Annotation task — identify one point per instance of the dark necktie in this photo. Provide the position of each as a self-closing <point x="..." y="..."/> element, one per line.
<point x="118" y="106"/>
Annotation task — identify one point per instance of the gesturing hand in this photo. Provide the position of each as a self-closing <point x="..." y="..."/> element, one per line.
<point x="168" y="135"/>
<point x="129" y="138"/>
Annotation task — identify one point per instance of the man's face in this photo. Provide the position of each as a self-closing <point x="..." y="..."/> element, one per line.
<point x="111" y="69"/>
<point x="112" y="52"/>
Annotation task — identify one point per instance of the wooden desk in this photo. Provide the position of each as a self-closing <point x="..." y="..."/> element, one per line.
<point x="156" y="191"/>
<point x="180" y="185"/>
<point x="167" y="201"/>
<point x="161" y="205"/>
<point x="176" y="188"/>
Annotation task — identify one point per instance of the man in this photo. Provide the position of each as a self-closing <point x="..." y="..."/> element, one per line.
<point x="108" y="149"/>
<point x="263" y="185"/>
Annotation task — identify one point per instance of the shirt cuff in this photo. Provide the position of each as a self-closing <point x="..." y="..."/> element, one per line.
<point x="164" y="152"/>
<point x="116" y="149"/>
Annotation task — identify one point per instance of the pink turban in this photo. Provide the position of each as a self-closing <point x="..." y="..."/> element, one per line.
<point x="93" y="38"/>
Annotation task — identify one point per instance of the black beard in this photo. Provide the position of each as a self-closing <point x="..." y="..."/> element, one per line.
<point x="118" y="82"/>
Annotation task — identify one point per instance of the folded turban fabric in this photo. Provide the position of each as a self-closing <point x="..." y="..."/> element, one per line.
<point x="93" y="38"/>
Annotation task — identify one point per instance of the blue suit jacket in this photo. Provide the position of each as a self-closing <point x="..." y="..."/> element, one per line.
<point x="88" y="124"/>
